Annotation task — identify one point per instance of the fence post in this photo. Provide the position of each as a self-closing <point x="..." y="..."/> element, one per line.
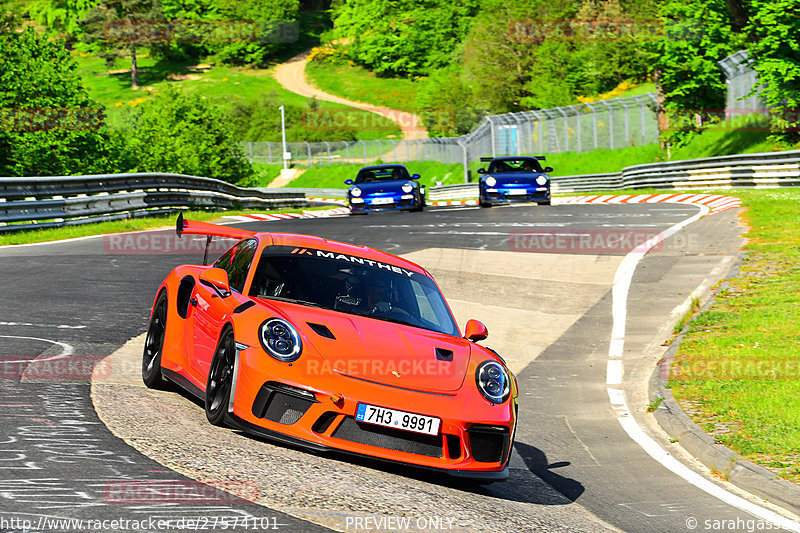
<point x="624" y="104"/>
<point x="328" y="150"/>
<point x="308" y="151"/>
<point x="393" y="151"/>
<point x="365" y="150"/>
<point x="610" y="124"/>
<point x="492" y="134"/>
<point x="566" y="128"/>
<point x="539" y="127"/>
<point x="269" y="152"/>
<point x="466" y="161"/>
<point x="577" y="126"/>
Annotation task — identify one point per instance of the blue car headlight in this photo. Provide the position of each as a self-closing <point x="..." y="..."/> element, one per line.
<point x="408" y="186"/>
<point x="280" y="339"/>
<point x="355" y="191"/>
<point x="493" y="381"/>
<point x="541" y="180"/>
<point x="490" y="181"/>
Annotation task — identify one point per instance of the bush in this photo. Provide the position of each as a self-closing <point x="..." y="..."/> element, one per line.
<point x="177" y="132"/>
<point x="50" y="126"/>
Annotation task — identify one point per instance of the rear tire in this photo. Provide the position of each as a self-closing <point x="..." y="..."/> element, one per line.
<point x="154" y="344"/>
<point x="220" y="378"/>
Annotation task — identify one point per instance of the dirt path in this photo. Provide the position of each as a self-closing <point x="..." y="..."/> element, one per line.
<point x="292" y="75"/>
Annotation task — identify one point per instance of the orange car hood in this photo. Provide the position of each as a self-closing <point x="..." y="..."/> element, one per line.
<point x="383" y="352"/>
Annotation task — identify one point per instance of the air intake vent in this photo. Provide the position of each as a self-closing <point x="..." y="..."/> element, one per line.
<point x="322" y="330"/>
<point x="443" y="354"/>
<point x="282" y="403"/>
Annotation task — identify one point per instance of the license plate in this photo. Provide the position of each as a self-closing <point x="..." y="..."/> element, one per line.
<point x="392" y="418"/>
<point x="382" y="201"/>
<point x="516" y="191"/>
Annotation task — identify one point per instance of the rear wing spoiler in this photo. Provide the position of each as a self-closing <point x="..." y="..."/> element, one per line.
<point x="192" y="227"/>
<point x="538" y="157"/>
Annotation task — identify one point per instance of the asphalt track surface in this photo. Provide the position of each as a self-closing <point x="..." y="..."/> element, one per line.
<point x="82" y="300"/>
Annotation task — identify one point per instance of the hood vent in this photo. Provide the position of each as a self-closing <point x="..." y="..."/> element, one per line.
<point x="322" y="330"/>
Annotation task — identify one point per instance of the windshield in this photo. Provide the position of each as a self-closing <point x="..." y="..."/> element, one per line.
<point x="351" y="285"/>
<point x="394" y="172"/>
<point x="515" y="165"/>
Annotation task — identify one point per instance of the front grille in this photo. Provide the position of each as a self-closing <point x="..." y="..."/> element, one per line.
<point x="391" y="439"/>
<point x="281" y="403"/>
<point x="489" y="444"/>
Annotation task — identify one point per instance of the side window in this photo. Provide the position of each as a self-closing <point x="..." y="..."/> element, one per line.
<point x="237" y="261"/>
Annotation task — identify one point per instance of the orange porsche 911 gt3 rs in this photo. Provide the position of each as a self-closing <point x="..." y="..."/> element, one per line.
<point x="332" y="346"/>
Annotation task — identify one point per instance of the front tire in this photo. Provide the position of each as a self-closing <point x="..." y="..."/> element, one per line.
<point x="220" y="378"/>
<point x="154" y="345"/>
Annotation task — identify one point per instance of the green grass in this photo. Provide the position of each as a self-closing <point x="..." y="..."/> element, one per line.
<point x="221" y="84"/>
<point x="121" y="226"/>
<point x="737" y="371"/>
<point x="334" y="176"/>
<point x="359" y="84"/>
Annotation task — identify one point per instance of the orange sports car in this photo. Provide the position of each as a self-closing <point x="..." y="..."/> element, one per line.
<point x="332" y="346"/>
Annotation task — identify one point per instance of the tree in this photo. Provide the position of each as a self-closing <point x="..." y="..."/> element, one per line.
<point x="184" y="133"/>
<point x="447" y="103"/>
<point x="775" y="50"/>
<point x="697" y="35"/>
<point x="63" y="16"/>
<point x="403" y="37"/>
<point x="118" y="27"/>
<point x="50" y="126"/>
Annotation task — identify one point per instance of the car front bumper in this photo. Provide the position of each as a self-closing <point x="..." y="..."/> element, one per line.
<point x="290" y="404"/>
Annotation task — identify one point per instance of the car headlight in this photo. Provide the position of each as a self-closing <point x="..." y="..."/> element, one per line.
<point x="355" y="191"/>
<point x="493" y="381"/>
<point x="408" y="186"/>
<point x="490" y="181"/>
<point x="280" y="340"/>
<point x="541" y="180"/>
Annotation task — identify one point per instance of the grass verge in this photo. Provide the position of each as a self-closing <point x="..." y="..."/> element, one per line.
<point x="122" y="226"/>
<point x="359" y="84"/>
<point x="737" y="371"/>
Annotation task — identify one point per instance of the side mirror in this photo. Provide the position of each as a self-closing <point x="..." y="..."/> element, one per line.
<point x="415" y="177"/>
<point x="216" y="278"/>
<point x="475" y="330"/>
<point x="481" y="171"/>
<point x="349" y="182"/>
<point x="548" y="169"/>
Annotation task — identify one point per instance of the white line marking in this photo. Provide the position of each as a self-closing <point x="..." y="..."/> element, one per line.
<point x="622" y="281"/>
<point x="57" y="326"/>
<point x="66" y="349"/>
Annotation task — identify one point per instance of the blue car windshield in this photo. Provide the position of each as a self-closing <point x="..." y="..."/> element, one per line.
<point x="527" y="164"/>
<point x="387" y="173"/>
<point x="352" y="285"/>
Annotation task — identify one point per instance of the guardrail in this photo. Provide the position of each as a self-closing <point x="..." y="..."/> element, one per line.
<point x="773" y="169"/>
<point x="33" y="203"/>
<point x="762" y="170"/>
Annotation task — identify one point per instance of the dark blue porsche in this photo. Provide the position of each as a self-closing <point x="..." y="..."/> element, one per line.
<point x="514" y="179"/>
<point x="383" y="188"/>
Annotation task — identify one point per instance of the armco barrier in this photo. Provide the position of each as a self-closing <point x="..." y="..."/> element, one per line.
<point x="31" y="203"/>
<point x="763" y="170"/>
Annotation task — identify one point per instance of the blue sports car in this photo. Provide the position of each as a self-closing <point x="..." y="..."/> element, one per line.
<point x="385" y="187"/>
<point x="514" y="179"/>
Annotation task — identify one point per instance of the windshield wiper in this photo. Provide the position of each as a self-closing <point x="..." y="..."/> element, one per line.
<point x="294" y="301"/>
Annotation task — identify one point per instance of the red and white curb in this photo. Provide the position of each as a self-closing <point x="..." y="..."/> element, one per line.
<point x="716" y="203"/>
<point x="443" y="203"/>
<point x="338" y="201"/>
<point x="336" y="211"/>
